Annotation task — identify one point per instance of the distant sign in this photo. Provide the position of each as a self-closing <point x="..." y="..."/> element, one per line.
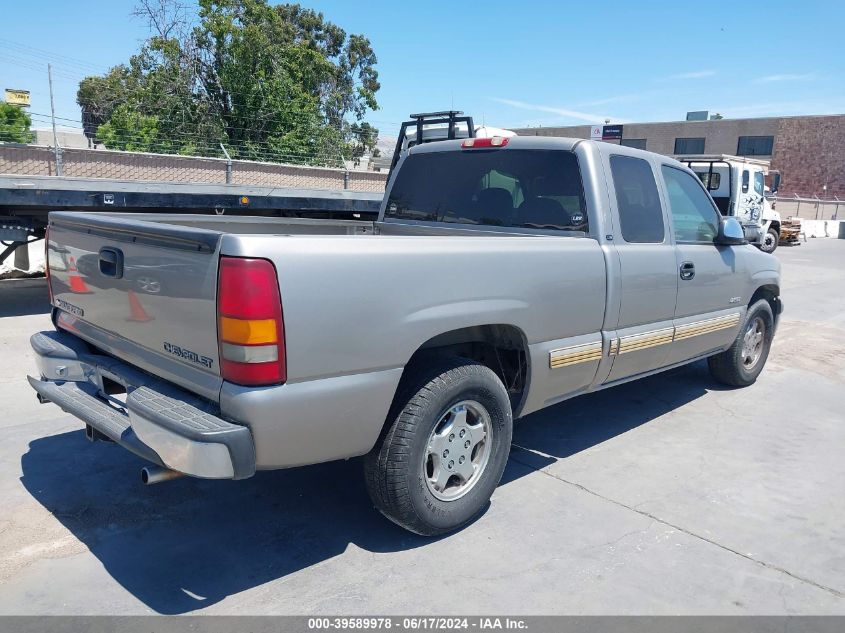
<point x="595" y="132"/>
<point x="611" y="133"/>
<point x="17" y="97"/>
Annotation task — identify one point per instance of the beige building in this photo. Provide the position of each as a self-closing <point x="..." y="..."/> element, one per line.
<point x="67" y="138"/>
<point x="808" y="151"/>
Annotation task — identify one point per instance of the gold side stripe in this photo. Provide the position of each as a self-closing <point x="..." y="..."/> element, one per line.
<point x="635" y="342"/>
<point x="708" y="326"/>
<point x="589" y="352"/>
<point x="564" y="363"/>
<point x="575" y="354"/>
<point x="730" y="318"/>
<point x="579" y="357"/>
<point x="699" y="332"/>
<point x="626" y="349"/>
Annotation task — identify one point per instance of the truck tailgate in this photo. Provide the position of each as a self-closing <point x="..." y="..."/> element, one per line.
<point x="142" y="291"/>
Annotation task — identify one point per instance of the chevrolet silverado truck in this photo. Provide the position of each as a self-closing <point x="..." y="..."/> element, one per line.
<point x="504" y="275"/>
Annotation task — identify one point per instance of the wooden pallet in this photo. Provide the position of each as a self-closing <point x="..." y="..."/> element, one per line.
<point x="791" y="231"/>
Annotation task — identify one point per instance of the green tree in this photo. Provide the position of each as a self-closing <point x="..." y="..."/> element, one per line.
<point x="131" y="131"/>
<point x="14" y="124"/>
<point x="277" y="83"/>
<point x="365" y="137"/>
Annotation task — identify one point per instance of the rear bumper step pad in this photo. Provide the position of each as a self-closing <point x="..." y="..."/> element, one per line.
<point x="160" y="422"/>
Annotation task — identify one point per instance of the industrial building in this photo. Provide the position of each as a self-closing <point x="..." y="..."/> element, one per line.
<point x="808" y="151"/>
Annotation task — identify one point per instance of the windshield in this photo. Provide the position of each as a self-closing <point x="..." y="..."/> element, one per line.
<point x="536" y="189"/>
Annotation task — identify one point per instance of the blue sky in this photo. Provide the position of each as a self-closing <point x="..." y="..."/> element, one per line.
<point x="509" y="64"/>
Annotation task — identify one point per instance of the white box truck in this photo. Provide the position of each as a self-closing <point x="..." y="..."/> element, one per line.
<point x="738" y="187"/>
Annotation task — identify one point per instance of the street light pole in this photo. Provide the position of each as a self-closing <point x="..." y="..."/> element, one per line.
<point x="53" y="117"/>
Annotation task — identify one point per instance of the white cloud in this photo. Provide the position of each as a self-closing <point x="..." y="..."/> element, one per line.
<point x="787" y="77"/>
<point x="614" y="99"/>
<point x="696" y="74"/>
<point x="589" y="117"/>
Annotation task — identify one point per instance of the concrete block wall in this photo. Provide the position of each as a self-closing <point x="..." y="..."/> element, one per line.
<point x="31" y="160"/>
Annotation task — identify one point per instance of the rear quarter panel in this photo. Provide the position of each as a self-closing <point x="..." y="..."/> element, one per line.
<point x="366" y="303"/>
<point x="357" y="308"/>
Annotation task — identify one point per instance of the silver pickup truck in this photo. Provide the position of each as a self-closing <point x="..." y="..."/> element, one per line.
<point x="504" y="275"/>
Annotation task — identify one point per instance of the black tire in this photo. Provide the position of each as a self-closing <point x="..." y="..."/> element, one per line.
<point x="770" y="241"/>
<point x="731" y="367"/>
<point x="395" y="469"/>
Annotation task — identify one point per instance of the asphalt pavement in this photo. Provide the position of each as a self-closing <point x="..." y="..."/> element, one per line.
<point x="669" y="495"/>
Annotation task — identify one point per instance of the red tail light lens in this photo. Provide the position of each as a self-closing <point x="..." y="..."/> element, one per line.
<point x="250" y="328"/>
<point x="484" y="143"/>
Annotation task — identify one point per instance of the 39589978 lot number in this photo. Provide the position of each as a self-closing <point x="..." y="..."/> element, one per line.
<point x="425" y="624"/>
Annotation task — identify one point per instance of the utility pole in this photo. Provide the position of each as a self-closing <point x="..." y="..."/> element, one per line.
<point x="53" y="117"/>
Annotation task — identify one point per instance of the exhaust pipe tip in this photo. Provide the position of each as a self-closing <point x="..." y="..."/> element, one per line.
<point x="156" y="474"/>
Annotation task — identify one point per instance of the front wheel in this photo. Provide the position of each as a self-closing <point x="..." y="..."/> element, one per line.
<point x="743" y="361"/>
<point x="770" y="241"/>
<point x="445" y="450"/>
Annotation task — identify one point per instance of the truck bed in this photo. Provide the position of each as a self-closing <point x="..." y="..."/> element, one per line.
<point x="350" y="305"/>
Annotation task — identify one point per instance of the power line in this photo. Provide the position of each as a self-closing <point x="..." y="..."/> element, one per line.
<point x="244" y="150"/>
<point x="70" y="76"/>
<point x="340" y="129"/>
<point x="50" y="55"/>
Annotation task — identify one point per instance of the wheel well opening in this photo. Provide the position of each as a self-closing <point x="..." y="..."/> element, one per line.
<point x="502" y="348"/>
<point x="770" y="293"/>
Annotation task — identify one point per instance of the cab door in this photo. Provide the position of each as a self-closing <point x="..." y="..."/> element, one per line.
<point x="648" y="279"/>
<point x="749" y="195"/>
<point x="710" y="301"/>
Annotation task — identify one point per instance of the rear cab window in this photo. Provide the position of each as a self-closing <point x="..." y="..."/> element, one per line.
<point x="640" y="213"/>
<point x="518" y="188"/>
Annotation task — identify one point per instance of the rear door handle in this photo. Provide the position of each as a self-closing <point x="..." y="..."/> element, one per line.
<point x="111" y="262"/>
<point x="687" y="271"/>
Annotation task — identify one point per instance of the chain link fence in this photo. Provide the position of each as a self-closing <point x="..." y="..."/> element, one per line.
<point x="37" y="160"/>
<point x="809" y="207"/>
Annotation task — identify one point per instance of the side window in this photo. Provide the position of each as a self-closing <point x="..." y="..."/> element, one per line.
<point x="759" y="184"/>
<point x="640" y="213"/>
<point x="745" y="180"/>
<point x="693" y="216"/>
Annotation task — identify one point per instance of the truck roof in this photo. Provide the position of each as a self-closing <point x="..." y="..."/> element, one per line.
<point x="521" y="142"/>
<point x="545" y="142"/>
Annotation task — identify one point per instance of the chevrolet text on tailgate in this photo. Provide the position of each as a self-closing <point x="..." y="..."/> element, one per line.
<point x="504" y="275"/>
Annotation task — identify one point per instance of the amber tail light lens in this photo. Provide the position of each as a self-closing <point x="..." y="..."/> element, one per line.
<point x="250" y="327"/>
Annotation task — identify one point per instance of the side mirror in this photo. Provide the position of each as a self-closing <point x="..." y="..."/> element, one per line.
<point x="730" y="232"/>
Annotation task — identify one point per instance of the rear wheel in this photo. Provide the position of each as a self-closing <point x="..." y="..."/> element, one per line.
<point x="743" y="361"/>
<point x="445" y="450"/>
<point x="770" y="241"/>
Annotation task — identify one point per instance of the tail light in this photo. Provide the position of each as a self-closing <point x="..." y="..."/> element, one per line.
<point x="484" y="143"/>
<point x="250" y="329"/>
<point x="47" y="263"/>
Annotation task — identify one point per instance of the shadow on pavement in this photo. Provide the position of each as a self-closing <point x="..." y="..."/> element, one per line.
<point x="572" y="426"/>
<point x="22" y="297"/>
<point x="187" y="544"/>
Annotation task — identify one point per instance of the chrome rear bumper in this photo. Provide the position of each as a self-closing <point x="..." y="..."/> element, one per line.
<point x="157" y="421"/>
